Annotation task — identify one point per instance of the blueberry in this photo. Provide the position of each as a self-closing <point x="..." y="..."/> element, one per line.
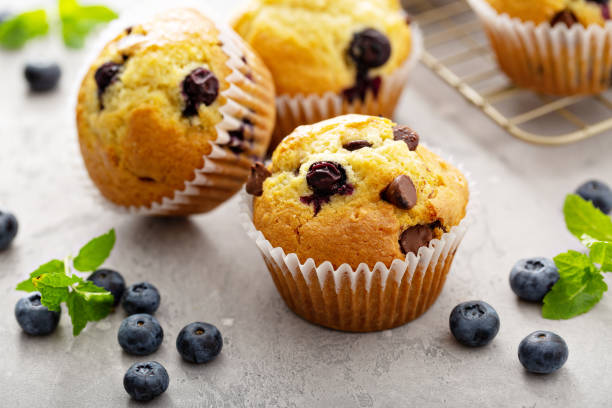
<point x="532" y="278"/>
<point x="201" y="86"/>
<point x="369" y="48"/>
<point x="110" y="280"/>
<point x="598" y="193"/>
<point x="325" y="179"/>
<point x="140" y="334"/>
<point x="199" y="342"/>
<point x="33" y="317"/>
<point x="8" y="229"/>
<point x="105" y="75"/>
<point x="474" y="323"/>
<point x="42" y="77"/>
<point x="141" y="298"/>
<point x="543" y="352"/>
<point x="145" y="381"/>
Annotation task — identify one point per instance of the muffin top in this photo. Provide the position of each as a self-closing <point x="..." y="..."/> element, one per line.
<point x="585" y="12"/>
<point x="355" y="189"/>
<point x="148" y="106"/>
<point x="319" y="46"/>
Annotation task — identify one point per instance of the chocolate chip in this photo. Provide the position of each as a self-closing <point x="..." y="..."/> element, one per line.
<point x="401" y="193"/>
<point x="259" y="174"/>
<point x="128" y="30"/>
<point x="407" y="135"/>
<point x="369" y="48"/>
<point x="564" y="16"/>
<point x="356" y="145"/>
<point x="325" y="179"/>
<point x="414" y="238"/>
<point x="105" y="75"/>
<point x="408" y="19"/>
<point x="199" y="87"/>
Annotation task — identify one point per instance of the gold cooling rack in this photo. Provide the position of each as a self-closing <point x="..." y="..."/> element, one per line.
<point x="457" y="50"/>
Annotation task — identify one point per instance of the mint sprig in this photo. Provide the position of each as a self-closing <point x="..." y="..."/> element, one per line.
<point x="18" y="30"/>
<point x="78" y="21"/>
<point x="57" y="284"/>
<point x="581" y="285"/>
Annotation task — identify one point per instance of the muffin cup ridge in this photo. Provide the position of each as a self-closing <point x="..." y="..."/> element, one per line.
<point x="557" y="60"/>
<point x="296" y="110"/>
<point x="363" y="299"/>
<point x="223" y="173"/>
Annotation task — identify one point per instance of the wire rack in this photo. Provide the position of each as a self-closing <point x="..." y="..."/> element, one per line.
<point x="457" y="50"/>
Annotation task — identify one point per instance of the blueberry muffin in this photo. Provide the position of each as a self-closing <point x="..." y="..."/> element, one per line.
<point x="329" y="57"/>
<point x="357" y="199"/>
<point x="558" y="47"/>
<point x="172" y="112"/>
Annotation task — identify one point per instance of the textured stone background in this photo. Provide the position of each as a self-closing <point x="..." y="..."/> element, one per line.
<point x="207" y="269"/>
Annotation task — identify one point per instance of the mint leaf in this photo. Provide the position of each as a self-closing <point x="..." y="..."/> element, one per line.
<point x="87" y="303"/>
<point x="585" y="221"/>
<point x="53" y="266"/>
<point x="78" y="21"/>
<point x="95" y="252"/>
<point x="53" y="288"/>
<point x="601" y="254"/>
<point x="16" y="31"/>
<point x="579" y="288"/>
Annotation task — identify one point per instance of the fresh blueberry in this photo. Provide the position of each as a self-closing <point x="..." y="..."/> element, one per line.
<point x="8" y="229"/>
<point x="199" y="342"/>
<point x="145" y="381"/>
<point x="140" y="334"/>
<point x="543" y="352"/>
<point x="42" y="77"/>
<point x="532" y="278"/>
<point x="474" y="323"/>
<point x="33" y="317"/>
<point x="110" y="280"/>
<point x="141" y="298"/>
<point x="598" y="193"/>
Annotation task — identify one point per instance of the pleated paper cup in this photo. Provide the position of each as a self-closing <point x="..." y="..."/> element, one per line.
<point x="297" y="110"/>
<point x="557" y="60"/>
<point x="363" y="299"/>
<point x="250" y="94"/>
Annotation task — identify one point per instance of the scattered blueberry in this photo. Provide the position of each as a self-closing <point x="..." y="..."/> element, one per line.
<point x="145" y="381"/>
<point x="110" y="280"/>
<point x="140" y="334"/>
<point x="33" y="317"/>
<point x="543" y="352"/>
<point x="8" y="229"/>
<point x="532" y="278"/>
<point x="474" y="323"/>
<point x="141" y="298"/>
<point x="42" y="77"/>
<point x="598" y="193"/>
<point x="199" y="342"/>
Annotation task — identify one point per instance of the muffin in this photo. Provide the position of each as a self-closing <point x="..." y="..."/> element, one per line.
<point x="328" y="58"/>
<point x="171" y="114"/>
<point x="558" y="47"/>
<point x="369" y="218"/>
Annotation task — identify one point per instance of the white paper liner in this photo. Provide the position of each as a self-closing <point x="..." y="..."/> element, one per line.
<point x="362" y="299"/>
<point x="222" y="186"/>
<point x="296" y="110"/>
<point x="557" y="59"/>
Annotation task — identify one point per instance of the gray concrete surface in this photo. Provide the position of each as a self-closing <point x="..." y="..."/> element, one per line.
<point x="207" y="269"/>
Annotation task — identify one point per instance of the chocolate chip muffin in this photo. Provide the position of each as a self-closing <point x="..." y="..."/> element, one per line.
<point x="558" y="47"/>
<point x="357" y="222"/>
<point x="171" y="114"/>
<point x="329" y="58"/>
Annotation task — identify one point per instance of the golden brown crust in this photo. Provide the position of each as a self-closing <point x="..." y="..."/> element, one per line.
<point x="359" y="227"/>
<point x="139" y="148"/>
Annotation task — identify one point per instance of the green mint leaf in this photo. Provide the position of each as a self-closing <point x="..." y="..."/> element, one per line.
<point x="53" y="266"/>
<point x="16" y="31"/>
<point x="78" y="21"/>
<point x="580" y="287"/>
<point x="87" y="303"/>
<point x="601" y="254"/>
<point x="585" y="221"/>
<point x="53" y="288"/>
<point x="95" y="252"/>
